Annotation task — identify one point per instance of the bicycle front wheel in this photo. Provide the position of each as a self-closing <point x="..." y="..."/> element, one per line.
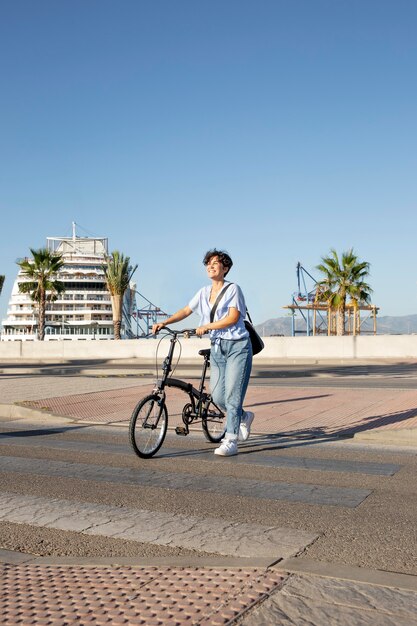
<point x="214" y="423"/>
<point x="148" y="426"/>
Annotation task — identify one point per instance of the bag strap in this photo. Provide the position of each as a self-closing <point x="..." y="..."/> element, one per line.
<point x="249" y="317"/>
<point x="219" y="297"/>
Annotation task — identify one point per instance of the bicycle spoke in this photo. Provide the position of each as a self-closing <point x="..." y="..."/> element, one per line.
<point x="148" y="426"/>
<point x="214" y="423"/>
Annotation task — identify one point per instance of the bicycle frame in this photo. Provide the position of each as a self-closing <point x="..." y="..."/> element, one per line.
<point x="199" y="399"/>
<point x="149" y="421"/>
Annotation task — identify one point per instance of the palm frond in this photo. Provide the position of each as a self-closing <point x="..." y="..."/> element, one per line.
<point x="118" y="273"/>
<point x="344" y="278"/>
<point x="40" y="281"/>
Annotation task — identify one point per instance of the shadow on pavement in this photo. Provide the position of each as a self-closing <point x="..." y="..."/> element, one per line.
<point x="286" y="400"/>
<point x="376" y="421"/>
<point x="41" y="431"/>
<point x="307" y="371"/>
<point x="256" y="444"/>
<point x="294" y="370"/>
<point x="301" y="437"/>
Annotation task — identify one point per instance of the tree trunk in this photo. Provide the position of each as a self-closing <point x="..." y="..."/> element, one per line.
<point x="116" y="326"/>
<point x="333" y="321"/>
<point x="355" y="320"/>
<point x="116" y="303"/>
<point x="341" y="320"/>
<point x="41" y="319"/>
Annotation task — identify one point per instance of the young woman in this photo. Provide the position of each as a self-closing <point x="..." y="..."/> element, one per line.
<point x="231" y="350"/>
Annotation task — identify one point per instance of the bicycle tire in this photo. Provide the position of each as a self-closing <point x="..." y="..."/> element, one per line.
<point x="214" y="423"/>
<point x="145" y="437"/>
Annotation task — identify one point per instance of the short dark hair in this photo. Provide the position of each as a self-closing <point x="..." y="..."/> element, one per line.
<point x="224" y="258"/>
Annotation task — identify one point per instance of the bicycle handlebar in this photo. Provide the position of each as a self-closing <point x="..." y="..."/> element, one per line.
<point x="185" y="331"/>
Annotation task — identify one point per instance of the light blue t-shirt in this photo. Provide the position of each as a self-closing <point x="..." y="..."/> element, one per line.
<point x="232" y="298"/>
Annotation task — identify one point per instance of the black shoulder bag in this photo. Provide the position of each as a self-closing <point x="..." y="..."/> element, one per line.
<point x="255" y="339"/>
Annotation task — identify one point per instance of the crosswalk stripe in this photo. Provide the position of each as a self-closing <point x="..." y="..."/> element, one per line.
<point x="191" y="532"/>
<point x="243" y="487"/>
<point x="206" y="454"/>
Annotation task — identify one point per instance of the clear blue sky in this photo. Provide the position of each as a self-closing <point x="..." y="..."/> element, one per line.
<point x="276" y="129"/>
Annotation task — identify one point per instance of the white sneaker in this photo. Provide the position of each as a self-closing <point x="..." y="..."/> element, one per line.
<point x="228" y="447"/>
<point x="245" y="424"/>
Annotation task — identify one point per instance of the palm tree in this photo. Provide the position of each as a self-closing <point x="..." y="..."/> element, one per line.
<point x="118" y="273"/>
<point x="344" y="278"/>
<point x="42" y="285"/>
<point x="1" y="282"/>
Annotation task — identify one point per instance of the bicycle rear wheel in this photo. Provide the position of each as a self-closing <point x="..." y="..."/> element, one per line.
<point x="214" y="424"/>
<point x="148" y="426"/>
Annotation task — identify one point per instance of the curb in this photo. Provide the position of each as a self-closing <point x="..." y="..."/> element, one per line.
<point x="296" y="565"/>
<point x="399" y="436"/>
<point x="16" y="411"/>
<point x="12" y="557"/>
<point x="306" y="566"/>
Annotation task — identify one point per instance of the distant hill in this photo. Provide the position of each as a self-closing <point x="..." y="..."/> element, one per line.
<point x="387" y="325"/>
<point x="403" y="325"/>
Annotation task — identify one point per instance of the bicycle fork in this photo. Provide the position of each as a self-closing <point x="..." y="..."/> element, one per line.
<point x="153" y="423"/>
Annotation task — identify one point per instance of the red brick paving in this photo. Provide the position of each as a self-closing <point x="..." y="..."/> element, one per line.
<point x="66" y="595"/>
<point x="286" y="410"/>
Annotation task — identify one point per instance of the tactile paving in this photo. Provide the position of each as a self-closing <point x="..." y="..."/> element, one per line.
<point x="64" y="595"/>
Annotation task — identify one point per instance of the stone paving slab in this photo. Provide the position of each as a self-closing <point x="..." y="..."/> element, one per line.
<point x="58" y="595"/>
<point x="210" y="535"/>
<point x="315" y="601"/>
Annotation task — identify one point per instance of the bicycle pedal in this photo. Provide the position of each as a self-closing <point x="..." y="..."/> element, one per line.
<point x="181" y="430"/>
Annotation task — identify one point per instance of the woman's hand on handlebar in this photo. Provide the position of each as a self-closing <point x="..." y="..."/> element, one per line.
<point x="201" y="330"/>
<point x="157" y="327"/>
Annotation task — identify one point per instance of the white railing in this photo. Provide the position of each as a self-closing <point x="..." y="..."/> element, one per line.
<point x="54" y="334"/>
<point x="17" y="315"/>
<point x="77" y="279"/>
<point x="18" y="321"/>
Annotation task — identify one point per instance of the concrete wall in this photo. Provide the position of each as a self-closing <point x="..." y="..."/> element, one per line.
<point x="277" y="349"/>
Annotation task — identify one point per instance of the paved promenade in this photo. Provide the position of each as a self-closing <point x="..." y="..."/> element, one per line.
<point x="184" y="590"/>
<point x="386" y="415"/>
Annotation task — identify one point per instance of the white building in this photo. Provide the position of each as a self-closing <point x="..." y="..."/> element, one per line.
<point x="84" y="310"/>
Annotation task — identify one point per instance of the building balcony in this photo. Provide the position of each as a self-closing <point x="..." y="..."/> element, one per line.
<point x="59" y="334"/>
<point x="27" y="310"/>
<point x="19" y="321"/>
<point x="81" y="278"/>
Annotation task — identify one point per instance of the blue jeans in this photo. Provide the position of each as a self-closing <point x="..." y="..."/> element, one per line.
<point x="231" y="364"/>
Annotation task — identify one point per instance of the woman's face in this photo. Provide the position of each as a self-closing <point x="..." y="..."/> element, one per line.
<point x="215" y="269"/>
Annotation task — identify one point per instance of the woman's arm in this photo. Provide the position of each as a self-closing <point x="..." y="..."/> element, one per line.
<point x="177" y="317"/>
<point x="231" y="318"/>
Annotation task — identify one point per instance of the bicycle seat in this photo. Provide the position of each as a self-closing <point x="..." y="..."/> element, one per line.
<point x="205" y="352"/>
